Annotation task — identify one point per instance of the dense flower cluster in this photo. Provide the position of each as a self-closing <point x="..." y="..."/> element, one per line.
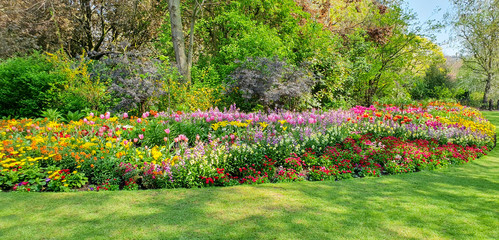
<point x="220" y="148"/>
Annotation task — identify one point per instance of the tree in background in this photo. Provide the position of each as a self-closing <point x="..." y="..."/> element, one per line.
<point x="435" y="84"/>
<point x="476" y="24"/>
<point x="379" y="50"/>
<point x="91" y="26"/>
<point x="183" y="59"/>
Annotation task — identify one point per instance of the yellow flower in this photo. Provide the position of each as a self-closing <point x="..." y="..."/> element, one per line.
<point x="87" y="145"/>
<point x="174" y="159"/>
<point x="155" y="153"/>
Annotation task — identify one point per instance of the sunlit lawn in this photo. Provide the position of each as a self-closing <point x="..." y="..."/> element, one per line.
<point x="460" y="202"/>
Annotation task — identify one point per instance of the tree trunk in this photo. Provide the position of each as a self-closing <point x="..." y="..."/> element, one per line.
<point x="86" y="7"/>
<point x="178" y="39"/>
<point x="487" y="89"/>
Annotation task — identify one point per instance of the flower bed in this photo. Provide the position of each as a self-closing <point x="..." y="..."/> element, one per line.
<point x="221" y="148"/>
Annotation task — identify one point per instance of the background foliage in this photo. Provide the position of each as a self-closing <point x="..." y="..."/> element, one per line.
<point x="342" y="53"/>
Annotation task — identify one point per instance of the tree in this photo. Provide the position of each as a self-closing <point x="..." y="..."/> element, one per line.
<point x="476" y="24"/>
<point x="184" y="62"/>
<point x="93" y="26"/>
<point x="383" y="52"/>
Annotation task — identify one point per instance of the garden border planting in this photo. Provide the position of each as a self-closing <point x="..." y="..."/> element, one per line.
<point x="230" y="147"/>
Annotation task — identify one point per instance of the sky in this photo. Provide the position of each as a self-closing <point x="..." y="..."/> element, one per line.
<point x="426" y="10"/>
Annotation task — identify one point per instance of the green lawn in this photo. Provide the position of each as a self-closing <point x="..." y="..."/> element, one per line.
<point x="455" y="203"/>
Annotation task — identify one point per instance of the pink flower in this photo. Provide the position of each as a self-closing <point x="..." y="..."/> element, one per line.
<point x="167" y="131"/>
<point x="135" y="140"/>
<point x="125" y="115"/>
<point x="141" y="136"/>
<point x="166" y="139"/>
<point x="139" y="120"/>
<point x="300" y="120"/>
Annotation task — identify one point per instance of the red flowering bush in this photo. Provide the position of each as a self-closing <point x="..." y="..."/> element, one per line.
<point x="322" y="173"/>
<point x="288" y="175"/>
<point x="295" y="163"/>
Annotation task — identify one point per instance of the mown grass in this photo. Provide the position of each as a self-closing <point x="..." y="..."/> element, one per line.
<point x="460" y="202"/>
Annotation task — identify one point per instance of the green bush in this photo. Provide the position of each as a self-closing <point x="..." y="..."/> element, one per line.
<point x="25" y="83"/>
<point x="436" y="84"/>
<point x="81" y="89"/>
